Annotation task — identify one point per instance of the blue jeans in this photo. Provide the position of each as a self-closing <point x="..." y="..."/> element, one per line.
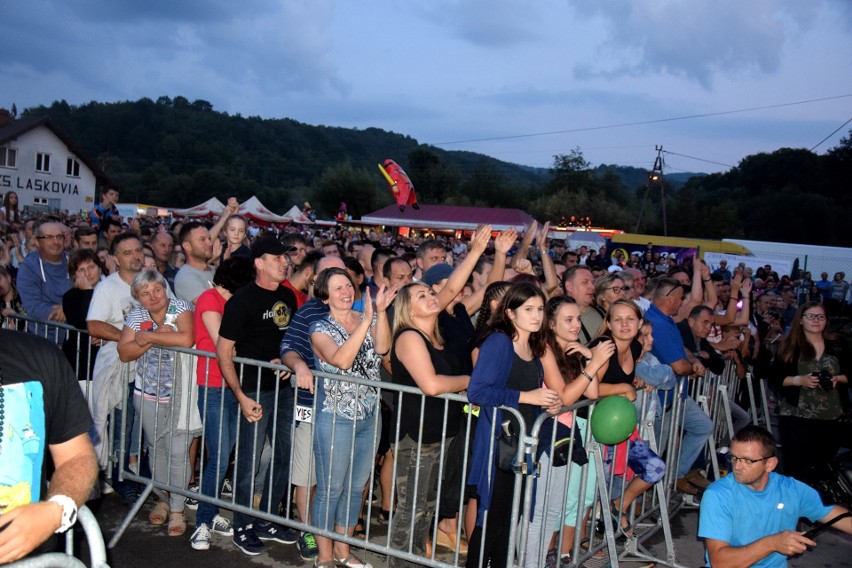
<point x="277" y="425"/>
<point x="697" y="428"/>
<point x="220" y="411"/>
<point x="345" y="451"/>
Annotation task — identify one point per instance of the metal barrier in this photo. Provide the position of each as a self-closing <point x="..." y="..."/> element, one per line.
<point x="647" y="515"/>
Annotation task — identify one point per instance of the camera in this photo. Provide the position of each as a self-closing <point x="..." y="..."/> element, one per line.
<point x="824" y="377"/>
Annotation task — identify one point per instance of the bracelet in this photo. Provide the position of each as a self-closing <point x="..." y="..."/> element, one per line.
<point x="797" y="381"/>
<point x="587" y="375"/>
<point x="708" y="280"/>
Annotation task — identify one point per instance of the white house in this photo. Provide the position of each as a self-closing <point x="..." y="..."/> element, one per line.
<point x="42" y="165"/>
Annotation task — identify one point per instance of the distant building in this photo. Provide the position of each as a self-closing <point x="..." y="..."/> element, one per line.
<point x="45" y="169"/>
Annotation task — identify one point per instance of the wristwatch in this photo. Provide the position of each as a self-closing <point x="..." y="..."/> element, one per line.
<point x="69" y="511"/>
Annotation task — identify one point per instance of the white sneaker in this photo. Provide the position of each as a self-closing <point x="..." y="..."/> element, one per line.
<point x="200" y="539"/>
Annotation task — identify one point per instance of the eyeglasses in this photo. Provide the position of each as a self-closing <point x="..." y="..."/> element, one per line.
<point x="814" y="317"/>
<point x="50" y="237"/>
<point x="619" y="289"/>
<point x="747" y="461"/>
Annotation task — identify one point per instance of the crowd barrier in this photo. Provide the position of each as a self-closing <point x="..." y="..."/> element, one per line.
<point x="648" y="515"/>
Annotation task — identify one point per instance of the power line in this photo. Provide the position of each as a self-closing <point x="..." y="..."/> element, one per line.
<point x="640" y="123"/>
<point x="830" y="135"/>
<point x="701" y="159"/>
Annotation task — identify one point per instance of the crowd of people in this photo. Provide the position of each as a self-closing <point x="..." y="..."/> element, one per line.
<point x="507" y="319"/>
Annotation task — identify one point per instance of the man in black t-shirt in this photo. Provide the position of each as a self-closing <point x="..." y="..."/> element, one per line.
<point x="41" y="410"/>
<point x="253" y="324"/>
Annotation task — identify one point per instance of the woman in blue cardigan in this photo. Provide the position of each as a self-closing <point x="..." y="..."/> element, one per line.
<point x="508" y="373"/>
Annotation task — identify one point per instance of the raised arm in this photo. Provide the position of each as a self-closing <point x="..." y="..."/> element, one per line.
<point x="230" y="209"/>
<point x="457" y="280"/>
<point x="551" y="280"/>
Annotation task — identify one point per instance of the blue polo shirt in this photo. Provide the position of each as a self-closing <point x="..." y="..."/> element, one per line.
<point x="668" y="347"/>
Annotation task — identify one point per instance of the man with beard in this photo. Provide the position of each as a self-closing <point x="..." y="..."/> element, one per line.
<point x="196" y="275"/>
<point x="111" y="302"/>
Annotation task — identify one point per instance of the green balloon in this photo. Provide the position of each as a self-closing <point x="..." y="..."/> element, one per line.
<point x="613" y="420"/>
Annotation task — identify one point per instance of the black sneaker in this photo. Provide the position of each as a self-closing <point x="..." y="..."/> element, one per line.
<point x="246" y="540"/>
<point x="275" y="532"/>
<point x="308" y="546"/>
<point x="192" y="504"/>
<point x="226" y="488"/>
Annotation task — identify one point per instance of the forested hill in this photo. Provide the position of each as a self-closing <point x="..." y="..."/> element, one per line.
<point x="173" y="152"/>
<point x="177" y="152"/>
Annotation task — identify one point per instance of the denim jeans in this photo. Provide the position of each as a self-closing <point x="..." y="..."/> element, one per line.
<point x="220" y="411"/>
<point x="276" y="424"/>
<point x="345" y="451"/>
<point x="697" y="428"/>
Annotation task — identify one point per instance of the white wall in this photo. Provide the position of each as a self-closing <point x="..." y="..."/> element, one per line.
<point x="63" y="191"/>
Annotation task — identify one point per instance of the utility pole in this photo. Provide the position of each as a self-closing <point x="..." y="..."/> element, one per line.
<point x="656" y="175"/>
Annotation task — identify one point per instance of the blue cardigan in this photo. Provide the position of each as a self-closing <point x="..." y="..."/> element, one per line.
<point x="487" y="388"/>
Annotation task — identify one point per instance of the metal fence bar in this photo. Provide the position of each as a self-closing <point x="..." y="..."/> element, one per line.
<point x="654" y="514"/>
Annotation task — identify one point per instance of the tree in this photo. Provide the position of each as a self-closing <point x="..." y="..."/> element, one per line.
<point x="342" y="182"/>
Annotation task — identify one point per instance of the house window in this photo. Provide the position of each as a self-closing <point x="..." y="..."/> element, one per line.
<point x="8" y="157"/>
<point x="72" y="168"/>
<point x="42" y="163"/>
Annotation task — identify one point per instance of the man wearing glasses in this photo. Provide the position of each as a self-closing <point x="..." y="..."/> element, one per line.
<point x="749" y="517"/>
<point x="43" y="276"/>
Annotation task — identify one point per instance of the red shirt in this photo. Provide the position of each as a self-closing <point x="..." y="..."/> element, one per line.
<point x="207" y="373"/>
<point x="301" y="297"/>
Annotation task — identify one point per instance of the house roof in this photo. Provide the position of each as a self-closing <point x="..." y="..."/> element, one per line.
<point x="452" y="217"/>
<point x="16" y="128"/>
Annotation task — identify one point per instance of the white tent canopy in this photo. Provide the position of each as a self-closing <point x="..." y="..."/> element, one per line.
<point x="255" y="210"/>
<point x="210" y="208"/>
<point x="295" y="214"/>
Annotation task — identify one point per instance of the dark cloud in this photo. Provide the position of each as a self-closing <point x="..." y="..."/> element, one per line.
<point x="694" y="40"/>
<point x="486" y="23"/>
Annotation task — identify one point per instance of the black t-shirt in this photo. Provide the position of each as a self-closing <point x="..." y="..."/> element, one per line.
<point x="42" y="406"/>
<point x="77" y="348"/>
<point x="445" y="363"/>
<point x="615" y="375"/>
<point x="524" y="376"/>
<point x="255" y="319"/>
<point x="457" y="331"/>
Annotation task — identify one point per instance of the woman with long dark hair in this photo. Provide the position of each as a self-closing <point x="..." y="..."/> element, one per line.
<point x="570" y="369"/>
<point x="810" y="373"/>
<point x="508" y="372"/>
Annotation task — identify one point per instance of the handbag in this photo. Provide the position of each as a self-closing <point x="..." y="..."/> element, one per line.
<point x="559" y="456"/>
<point x="507" y="447"/>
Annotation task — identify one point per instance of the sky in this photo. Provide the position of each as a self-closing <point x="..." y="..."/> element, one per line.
<point x="518" y="80"/>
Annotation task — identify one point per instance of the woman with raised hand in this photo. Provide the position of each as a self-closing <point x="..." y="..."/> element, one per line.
<point x="351" y="343"/>
<point x="420" y="358"/>
<point x="508" y="372"/>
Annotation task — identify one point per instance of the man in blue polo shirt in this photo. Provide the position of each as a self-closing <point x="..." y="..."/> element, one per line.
<point x="298" y="355"/>
<point x="750" y="516"/>
<point x="670" y="350"/>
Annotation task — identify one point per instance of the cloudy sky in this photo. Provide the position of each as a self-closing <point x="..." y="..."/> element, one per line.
<point x="518" y="80"/>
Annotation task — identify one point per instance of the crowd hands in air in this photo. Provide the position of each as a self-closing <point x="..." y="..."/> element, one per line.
<point x="508" y="318"/>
